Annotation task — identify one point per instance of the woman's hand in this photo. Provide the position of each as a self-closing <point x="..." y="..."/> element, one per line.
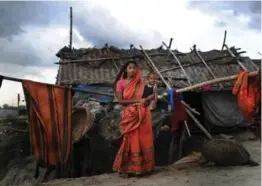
<point x="151" y="97"/>
<point x="142" y="101"/>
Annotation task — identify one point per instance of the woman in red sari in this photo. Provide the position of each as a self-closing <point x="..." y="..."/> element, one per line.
<point x="136" y="154"/>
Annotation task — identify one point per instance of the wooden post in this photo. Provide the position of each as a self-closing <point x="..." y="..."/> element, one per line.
<point x="203" y="61"/>
<point x="71" y="28"/>
<point x="18" y="100"/>
<point x="170" y="43"/>
<point x="224" y="41"/>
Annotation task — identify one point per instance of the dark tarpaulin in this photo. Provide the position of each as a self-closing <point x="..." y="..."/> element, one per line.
<point x="221" y="109"/>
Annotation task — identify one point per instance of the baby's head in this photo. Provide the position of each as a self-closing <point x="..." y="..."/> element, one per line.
<point x="151" y="77"/>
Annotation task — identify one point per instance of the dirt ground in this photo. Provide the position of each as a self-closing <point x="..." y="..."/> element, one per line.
<point x="187" y="176"/>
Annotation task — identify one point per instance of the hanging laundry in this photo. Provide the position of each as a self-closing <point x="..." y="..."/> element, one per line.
<point x="171" y="97"/>
<point x="206" y="88"/>
<point x="49" y="110"/>
<point x="248" y="92"/>
<point x="1" y="80"/>
<point x="179" y="114"/>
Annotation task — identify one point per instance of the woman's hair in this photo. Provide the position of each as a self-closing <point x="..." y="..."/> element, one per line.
<point x="123" y="70"/>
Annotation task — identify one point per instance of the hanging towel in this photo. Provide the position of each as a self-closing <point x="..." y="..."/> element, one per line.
<point x="179" y="114"/>
<point x="1" y="80"/>
<point x="171" y="98"/>
<point x="49" y="109"/>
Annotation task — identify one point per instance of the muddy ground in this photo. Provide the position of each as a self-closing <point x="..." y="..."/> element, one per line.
<point x="190" y="175"/>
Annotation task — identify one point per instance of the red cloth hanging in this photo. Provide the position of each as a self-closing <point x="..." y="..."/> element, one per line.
<point x="179" y="113"/>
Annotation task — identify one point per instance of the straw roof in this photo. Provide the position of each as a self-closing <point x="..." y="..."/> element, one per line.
<point x="101" y="65"/>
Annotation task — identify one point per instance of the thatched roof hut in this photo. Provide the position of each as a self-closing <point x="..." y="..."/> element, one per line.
<point x="101" y="66"/>
<point x="97" y="69"/>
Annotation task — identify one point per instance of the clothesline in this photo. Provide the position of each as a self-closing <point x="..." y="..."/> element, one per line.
<point x="223" y="79"/>
<point x="75" y="89"/>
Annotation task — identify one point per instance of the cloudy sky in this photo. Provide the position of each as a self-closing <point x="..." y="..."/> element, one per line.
<point x="32" y="32"/>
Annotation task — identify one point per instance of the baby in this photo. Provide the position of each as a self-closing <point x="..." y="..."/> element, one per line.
<point x="150" y="91"/>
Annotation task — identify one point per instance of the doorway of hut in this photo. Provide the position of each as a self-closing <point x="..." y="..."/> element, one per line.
<point x="196" y="140"/>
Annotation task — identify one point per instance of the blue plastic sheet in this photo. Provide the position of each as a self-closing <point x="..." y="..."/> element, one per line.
<point x="99" y="88"/>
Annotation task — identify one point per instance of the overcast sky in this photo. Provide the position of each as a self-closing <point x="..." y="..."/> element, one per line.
<point x="32" y="32"/>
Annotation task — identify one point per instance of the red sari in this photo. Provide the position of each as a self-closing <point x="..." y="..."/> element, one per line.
<point x="136" y="153"/>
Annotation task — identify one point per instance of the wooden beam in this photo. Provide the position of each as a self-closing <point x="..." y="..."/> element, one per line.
<point x="214" y="81"/>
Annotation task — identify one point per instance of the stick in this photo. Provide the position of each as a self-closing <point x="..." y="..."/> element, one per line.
<point x="191" y="109"/>
<point x="151" y="63"/>
<point x="199" y="125"/>
<point x="113" y="60"/>
<point x="183" y="70"/>
<point x="252" y="63"/>
<point x="214" y="81"/>
<point x="169" y="87"/>
<point x="170" y="42"/>
<point x="108" y="58"/>
<point x="75" y="89"/>
<point x="187" y="129"/>
<point x="71" y="28"/>
<point x="197" y="63"/>
<point x="233" y="55"/>
<point x="203" y="61"/>
<point x="224" y="41"/>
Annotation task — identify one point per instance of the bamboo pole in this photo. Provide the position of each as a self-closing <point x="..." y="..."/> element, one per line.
<point x="208" y="68"/>
<point x="214" y="81"/>
<point x="234" y="56"/>
<point x="107" y="58"/>
<point x="169" y="87"/>
<point x="199" y="125"/>
<point x="183" y="70"/>
<point x="170" y="42"/>
<point x="113" y="60"/>
<point x="224" y="40"/>
<point x="200" y="62"/>
<point x="187" y="128"/>
<point x="151" y="63"/>
<point x="71" y="28"/>
<point x="75" y="89"/>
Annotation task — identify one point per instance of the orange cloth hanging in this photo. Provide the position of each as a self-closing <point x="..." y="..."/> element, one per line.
<point x="248" y="94"/>
<point x="136" y="153"/>
<point x="49" y="121"/>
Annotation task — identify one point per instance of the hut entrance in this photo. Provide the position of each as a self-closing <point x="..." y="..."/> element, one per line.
<point x="194" y="143"/>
